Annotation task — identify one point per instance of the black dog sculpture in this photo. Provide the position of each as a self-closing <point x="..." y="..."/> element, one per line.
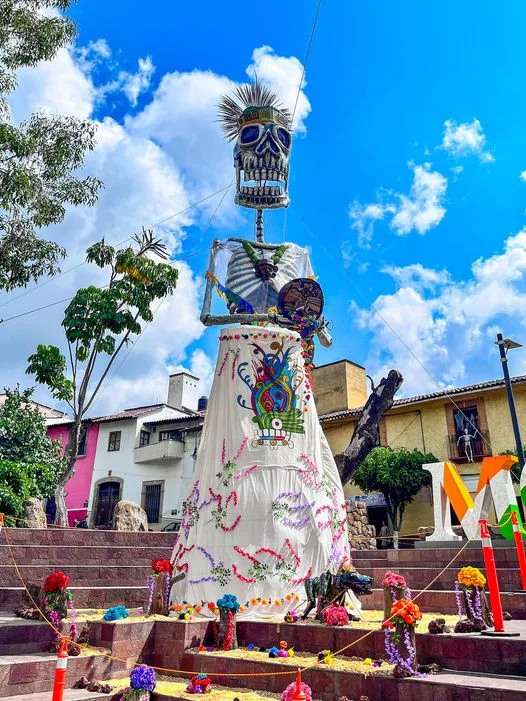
<point x="331" y="588"/>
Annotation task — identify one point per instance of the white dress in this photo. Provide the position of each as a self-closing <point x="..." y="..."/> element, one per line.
<point x="267" y="509"/>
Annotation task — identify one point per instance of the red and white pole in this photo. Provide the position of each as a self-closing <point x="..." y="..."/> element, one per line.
<point x="61" y="671"/>
<point x="491" y="572"/>
<point x="299" y="694"/>
<point x="519" y="546"/>
<point x="1" y="521"/>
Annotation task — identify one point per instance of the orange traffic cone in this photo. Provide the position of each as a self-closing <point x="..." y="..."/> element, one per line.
<point x="61" y="671"/>
<point x="299" y="694"/>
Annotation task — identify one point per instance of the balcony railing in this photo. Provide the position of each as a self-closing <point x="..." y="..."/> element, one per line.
<point x="480" y="446"/>
<point x="160" y="452"/>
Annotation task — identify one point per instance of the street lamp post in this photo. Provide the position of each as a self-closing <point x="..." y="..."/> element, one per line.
<point x="504" y="345"/>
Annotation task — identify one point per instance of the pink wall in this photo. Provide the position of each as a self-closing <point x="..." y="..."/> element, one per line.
<point x="78" y="487"/>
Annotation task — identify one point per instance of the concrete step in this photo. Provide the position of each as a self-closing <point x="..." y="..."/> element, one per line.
<point x="82" y="536"/>
<point x="443" y="601"/>
<point x="419" y="577"/>
<point x="329" y="684"/>
<point x="505" y="556"/>
<point x="81" y="575"/>
<point x="20" y="636"/>
<point x="69" y="695"/>
<point x="469" y="653"/>
<point x="30" y="673"/>
<point x="86" y="597"/>
<point x="60" y="556"/>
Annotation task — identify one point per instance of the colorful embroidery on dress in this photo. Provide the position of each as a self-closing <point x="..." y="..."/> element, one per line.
<point x="273" y="397"/>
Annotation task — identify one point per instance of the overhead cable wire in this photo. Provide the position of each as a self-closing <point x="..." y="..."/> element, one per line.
<point x="224" y="190"/>
<point x="134" y="343"/>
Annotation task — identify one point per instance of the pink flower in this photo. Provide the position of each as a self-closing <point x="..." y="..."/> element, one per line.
<point x="393" y="580"/>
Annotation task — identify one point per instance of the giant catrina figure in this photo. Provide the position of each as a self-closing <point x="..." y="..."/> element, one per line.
<point x="266" y="512"/>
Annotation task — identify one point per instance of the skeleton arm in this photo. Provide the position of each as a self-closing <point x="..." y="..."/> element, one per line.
<point x="209" y="319"/>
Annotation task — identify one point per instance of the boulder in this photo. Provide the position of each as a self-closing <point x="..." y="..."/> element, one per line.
<point x="129" y="516"/>
<point x="34" y="514"/>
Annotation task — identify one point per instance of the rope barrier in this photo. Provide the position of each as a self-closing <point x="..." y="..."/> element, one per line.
<point x="290" y="672"/>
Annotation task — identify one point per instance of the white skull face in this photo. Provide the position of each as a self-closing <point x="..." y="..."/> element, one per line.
<point x="261" y="160"/>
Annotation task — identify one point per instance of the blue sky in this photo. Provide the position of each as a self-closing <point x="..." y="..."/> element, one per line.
<point x="405" y="179"/>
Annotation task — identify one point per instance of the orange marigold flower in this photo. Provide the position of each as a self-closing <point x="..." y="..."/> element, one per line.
<point x="197" y="608"/>
<point x="178" y="608"/>
<point x="277" y="602"/>
<point x="264" y="602"/>
<point x="254" y="601"/>
<point x="289" y="597"/>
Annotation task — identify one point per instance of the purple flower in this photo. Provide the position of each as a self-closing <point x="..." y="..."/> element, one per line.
<point x="143" y="677"/>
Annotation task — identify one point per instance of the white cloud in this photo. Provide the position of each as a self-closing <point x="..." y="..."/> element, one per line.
<point x="523" y="176"/>
<point x="449" y="325"/>
<point x="133" y="84"/>
<point x="284" y="76"/>
<point x="421" y="210"/>
<point x="416" y="276"/>
<point x="465" y="139"/>
<point x="153" y="164"/>
<point x="56" y="86"/>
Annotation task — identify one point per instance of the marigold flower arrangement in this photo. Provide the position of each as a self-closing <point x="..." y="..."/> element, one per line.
<point x="470" y="577"/>
<point x="471" y="581"/>
<point x="404" y="612"/>
<point x="399" y="644"/>
<point x="161" y="565"/>
<point x="335" y="615"/>
<point x="159" y="589"/>
<point x="393" y="580"/>
<point x="58" y="604"/>
<point x="56" y="582"/>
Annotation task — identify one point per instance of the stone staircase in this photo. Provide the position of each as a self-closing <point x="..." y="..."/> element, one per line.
<point x="421" y="566"/>
<point x="106" y="568"/>
<point x="109" y="568"/>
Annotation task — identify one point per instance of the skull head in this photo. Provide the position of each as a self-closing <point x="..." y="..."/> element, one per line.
<point x="261" y="158"/>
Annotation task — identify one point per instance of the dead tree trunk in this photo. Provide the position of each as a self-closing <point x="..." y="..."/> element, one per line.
<point x="365" y="436"/>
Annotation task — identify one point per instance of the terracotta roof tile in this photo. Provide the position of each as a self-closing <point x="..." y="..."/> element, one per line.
<point x="489" y="384"/>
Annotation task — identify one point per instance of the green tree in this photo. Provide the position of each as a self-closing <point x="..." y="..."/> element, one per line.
<point x="398" y="475"/>
<point x="30" y="463"/>
<point x="38" y="157"/>
<point x="101" y="321"/>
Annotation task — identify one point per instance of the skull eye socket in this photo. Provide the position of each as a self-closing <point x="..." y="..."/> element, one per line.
<point x="249" y="134"/>
<point x="284" y="137"/>
<point x="277" y="423"/>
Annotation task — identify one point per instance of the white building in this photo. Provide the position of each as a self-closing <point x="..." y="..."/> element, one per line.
<point x="147" y="455"/>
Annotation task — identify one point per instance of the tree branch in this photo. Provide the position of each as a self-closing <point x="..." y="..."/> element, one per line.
<point x="366" y="435"/>
<point x="108" y="366"/>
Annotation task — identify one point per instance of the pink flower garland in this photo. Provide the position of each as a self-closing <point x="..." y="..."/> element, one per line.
<point x="227" y="529"/>
<point x="245" y="472"/>
<point x="296" y="582"/>
<point x="220" y="371"/>
<point x="270" y="552"/>
<point x="241" y="577"/>
<point x="293" y="552"/>
<point x="244" y="553"/>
